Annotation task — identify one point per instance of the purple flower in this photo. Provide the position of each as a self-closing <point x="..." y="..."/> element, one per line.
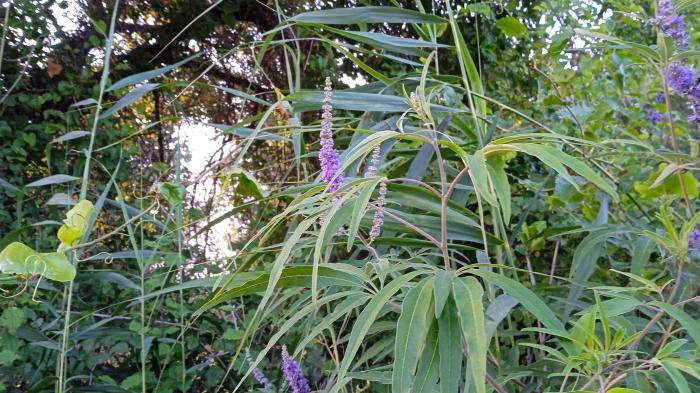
<point x="295" y="377"/>
<point x="257" y="373"/>
<point x="694" y="239"/>
<point x="330" y="159"/>
<point x="373" y="163"/>
<point x="660" y="97"/>
<point x="378" y="219"/>
<point x="695" y="104"/>
<point x="654" y="116"/>
<point x="681" y="77"/>
<point x="672" y="24"/>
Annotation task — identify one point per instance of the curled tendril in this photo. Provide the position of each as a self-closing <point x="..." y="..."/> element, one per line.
<point x="109" y="258"/>
<point x="24" y="288"/>
<point x="36" y="287"/>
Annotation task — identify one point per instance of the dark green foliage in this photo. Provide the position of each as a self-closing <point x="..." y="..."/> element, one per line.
<point x="537" y="227"/>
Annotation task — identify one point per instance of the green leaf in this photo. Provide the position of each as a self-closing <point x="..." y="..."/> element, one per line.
<point x="664" y="182"/>
<point x="7" y="357"/>
<point x="70" y="136"/>
<point x="497" y="311"/>
<point x="556" y="159"/>
<point x="676" y="376"/>
<point x="411" y="329"/>
<point x="17" y="258"/>
<point x="336" y="274"/>
<point x="526" y="297"/>
<point x="53" y="179"/>
<point x="470" y="74"/>
<point x="443" y="288"/>
<point x="365" y="320"/>
<point x="75" y="225"/>
<point x="639" y="49"/>
<point x="670" y="348"/>
<point x="428" y="367"/>
<point x="358" y="210"/>
<point x="129" y="98"/>
<point x="360" y="15"/>
<point x="248" y="185"/>
<point x="142" y="76"/>
<point x="233" y="334"/>
<point x="307" y="100"/>
<point x="174" y="192"/>
<point x="480" y="177"/>
<point x="643" y="248"/>
<point x="12" y="318"/>
<point x="470" y="309"/>
<point x="450" y="342"/>
<point x="690" y="324"/>
<point x="510" y="25"/>
<point x="497" y="173"/>
<point x="689" y="367"/>
<point x="406" y="46"/>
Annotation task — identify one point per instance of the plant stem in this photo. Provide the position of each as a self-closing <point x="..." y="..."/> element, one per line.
<point x="674" y="145"/>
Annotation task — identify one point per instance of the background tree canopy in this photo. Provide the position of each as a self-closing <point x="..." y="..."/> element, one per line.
<point x="404" y="196"/>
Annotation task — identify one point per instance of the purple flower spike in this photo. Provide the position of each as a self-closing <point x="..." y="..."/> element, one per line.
<point x="373" y="163"/>
<point x="681" y="77"/>
<point x="330" y="159"/>
<point x="694" y="239"/>
<point x="257" y="373"/>
<point x="295" y="377"/>
<point x="378" y="220"/>
<point x="672" y="24"/>
<point x="660" y="98"/>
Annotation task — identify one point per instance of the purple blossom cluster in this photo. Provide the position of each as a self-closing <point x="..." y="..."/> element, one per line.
<point x="683" y="79"/>
<point x="257" y="373"/>
<point x="672" y="24"/>
<point x="292" y="371"/>
<point x="373" y="162"/>
<point x="654" y="116"/>
<point x="378" y="219"/>
<point x="329" y="156"/>
<point x="694" y="239"/>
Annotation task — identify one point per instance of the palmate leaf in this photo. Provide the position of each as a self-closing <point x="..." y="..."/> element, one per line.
<point x="414" y="322"/>
<point x="365" y="320"/>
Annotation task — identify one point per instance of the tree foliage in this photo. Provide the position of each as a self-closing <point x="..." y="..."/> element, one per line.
<point x="431" y="196"/>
